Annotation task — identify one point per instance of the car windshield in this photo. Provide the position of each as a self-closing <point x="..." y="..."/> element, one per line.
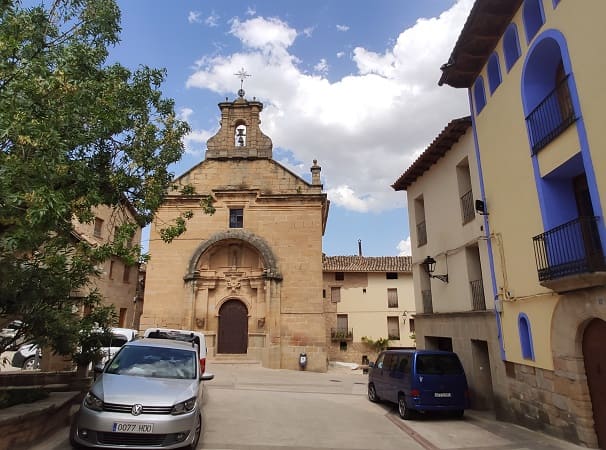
<point x="438" y="365"/>
<point x="155" y="362"/>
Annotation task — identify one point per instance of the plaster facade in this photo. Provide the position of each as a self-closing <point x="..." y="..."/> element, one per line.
<point x="544" y="181"/>
<point x="362" y="311"/>
<point x="454" y="303"/>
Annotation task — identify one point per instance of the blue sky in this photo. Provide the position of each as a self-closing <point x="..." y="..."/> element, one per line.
<point x="352" y="84"/>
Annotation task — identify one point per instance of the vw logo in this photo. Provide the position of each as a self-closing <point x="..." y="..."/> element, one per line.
<point x="136" y="409"/>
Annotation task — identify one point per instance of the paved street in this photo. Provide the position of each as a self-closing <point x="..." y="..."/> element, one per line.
<point x="251" y="408"/>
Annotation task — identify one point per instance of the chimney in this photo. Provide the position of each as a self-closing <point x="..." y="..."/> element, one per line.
<point x="359" y="247"/>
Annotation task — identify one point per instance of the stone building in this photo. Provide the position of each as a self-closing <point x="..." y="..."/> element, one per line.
<point x="118" y="283"/>
<point x="249" y="276"/>
<point x="367" y="298"/>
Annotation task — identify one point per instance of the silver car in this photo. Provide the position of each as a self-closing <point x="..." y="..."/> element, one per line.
<point x="148" y="396"/>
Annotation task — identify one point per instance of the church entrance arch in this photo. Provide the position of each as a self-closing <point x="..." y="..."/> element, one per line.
<point x="233" y="327"/>
<point x="595" y="368"/>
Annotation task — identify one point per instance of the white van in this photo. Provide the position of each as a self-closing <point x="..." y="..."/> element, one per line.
<point x="194" y="337"/>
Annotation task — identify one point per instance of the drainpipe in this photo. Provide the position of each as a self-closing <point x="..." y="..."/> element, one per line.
<point x="487" y="229"/>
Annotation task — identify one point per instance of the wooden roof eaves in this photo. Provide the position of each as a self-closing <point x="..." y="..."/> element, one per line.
<point x="436" y="150"/>
<point x="499" y="13"/>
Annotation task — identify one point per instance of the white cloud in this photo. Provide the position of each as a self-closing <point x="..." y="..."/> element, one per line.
<point x="261" y="33"/>
<point x="251" y="11"/>
<point x="404" y="248"/>
<point x="184" y="114"/>
<point x="364" y="129"/>
<point x="195" y="142"/>
<point x="321" y="66"/>
<point x="340" y="54"/>
<point x="212" y="20"/>
<point x="194" y="17"/>
<point x="342" y="27"/>
<point x="308" y="31"/>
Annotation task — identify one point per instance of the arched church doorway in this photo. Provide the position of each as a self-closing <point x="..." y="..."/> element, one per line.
<point x="233" y="327"/>
<point x="595" y="368"/>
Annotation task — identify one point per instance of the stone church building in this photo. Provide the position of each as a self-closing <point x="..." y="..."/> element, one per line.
<point x="248" y="276"/>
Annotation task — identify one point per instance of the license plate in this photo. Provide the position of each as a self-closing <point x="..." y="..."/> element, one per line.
<point x="124" y="427"/>
<point x="442" y="394"/>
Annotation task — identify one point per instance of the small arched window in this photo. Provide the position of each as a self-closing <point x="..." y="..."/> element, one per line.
<point x="494" y="72"/>
<point x="479" y="95"/>
<point x="533" y="18"/>
<point x="511" y="46"/>
<point x="525" y="337"/>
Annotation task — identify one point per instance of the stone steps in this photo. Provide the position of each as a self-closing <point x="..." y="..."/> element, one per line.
<point x="226" y="358"/>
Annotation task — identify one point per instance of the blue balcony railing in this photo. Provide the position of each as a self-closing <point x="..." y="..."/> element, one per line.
<point x="569" y="249"/>
<point x="551" y="117"/>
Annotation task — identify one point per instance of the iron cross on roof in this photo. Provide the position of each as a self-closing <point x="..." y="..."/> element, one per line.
<point x="242" y="75"/>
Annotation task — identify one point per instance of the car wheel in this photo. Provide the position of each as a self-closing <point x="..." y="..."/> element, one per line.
<point x="30" y="364"/>
<point x="405" y="412"/>
<point x="372" y="393"/>
<point x="198" y="432"/>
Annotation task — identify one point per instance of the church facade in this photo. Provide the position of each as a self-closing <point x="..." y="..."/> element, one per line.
<point x="249" y="276"/>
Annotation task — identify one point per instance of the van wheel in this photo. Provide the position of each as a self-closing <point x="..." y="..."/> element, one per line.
<point x="458" y="414"/>
<point x="405" y="412"/>
<point x="372" y="393"/>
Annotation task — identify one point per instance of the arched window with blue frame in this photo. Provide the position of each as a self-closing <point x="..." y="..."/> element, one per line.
<point x="533" y="18"/>
<point x="525" y="337"/>
<point x="494" y="72"/>
<point x="511" y="46"/>
<point x="479" y="95"/>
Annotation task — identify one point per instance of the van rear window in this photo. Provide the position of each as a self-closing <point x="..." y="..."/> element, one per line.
<point x="439" y="365"/>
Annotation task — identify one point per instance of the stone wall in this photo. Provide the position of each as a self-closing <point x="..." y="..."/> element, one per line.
<point x="554" y="402"/>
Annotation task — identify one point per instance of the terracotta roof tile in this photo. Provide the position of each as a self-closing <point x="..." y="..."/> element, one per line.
<point x="367" y="263"/>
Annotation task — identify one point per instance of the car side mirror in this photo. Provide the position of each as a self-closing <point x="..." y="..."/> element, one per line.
<point x="207" y="376"/>
<point x="99" y="368"/>
<point x="371" y="364"/>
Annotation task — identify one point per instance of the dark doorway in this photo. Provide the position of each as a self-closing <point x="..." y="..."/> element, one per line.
<point x="595" y="368"/>
<point x="233" y="327"/>
<point x="482" y="397"/>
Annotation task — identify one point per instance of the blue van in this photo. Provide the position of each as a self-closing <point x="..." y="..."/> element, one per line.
<point x="419" y="381"/>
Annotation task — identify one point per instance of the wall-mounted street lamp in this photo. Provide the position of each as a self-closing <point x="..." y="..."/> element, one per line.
<point x="430" y="266"/>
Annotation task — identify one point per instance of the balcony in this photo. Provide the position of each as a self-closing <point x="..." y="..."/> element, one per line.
<point x="551" y="117"/>
<point x="427" y="302"/>
<point x="467" y="208"/>
<point x="341" y="334"/>
<point x="477" y="295"/>
<point x="570" y="256"/>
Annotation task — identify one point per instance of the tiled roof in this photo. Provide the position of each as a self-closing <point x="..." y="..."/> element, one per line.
<point x="484" y="27"/>
<point x="367" y="263"/>
<point x="438" y="148"/>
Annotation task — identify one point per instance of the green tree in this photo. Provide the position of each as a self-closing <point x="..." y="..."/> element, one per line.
<point x="75" y="133"/>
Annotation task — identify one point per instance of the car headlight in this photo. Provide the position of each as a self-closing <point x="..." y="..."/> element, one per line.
<point x="184" y="407"/>
<point x="91" y="401"/>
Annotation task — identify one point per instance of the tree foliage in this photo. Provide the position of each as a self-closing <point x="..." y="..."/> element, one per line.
<point x="76" y="133"/>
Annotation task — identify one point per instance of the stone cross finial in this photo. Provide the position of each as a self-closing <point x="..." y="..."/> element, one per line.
<point x="242" y="75"/>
